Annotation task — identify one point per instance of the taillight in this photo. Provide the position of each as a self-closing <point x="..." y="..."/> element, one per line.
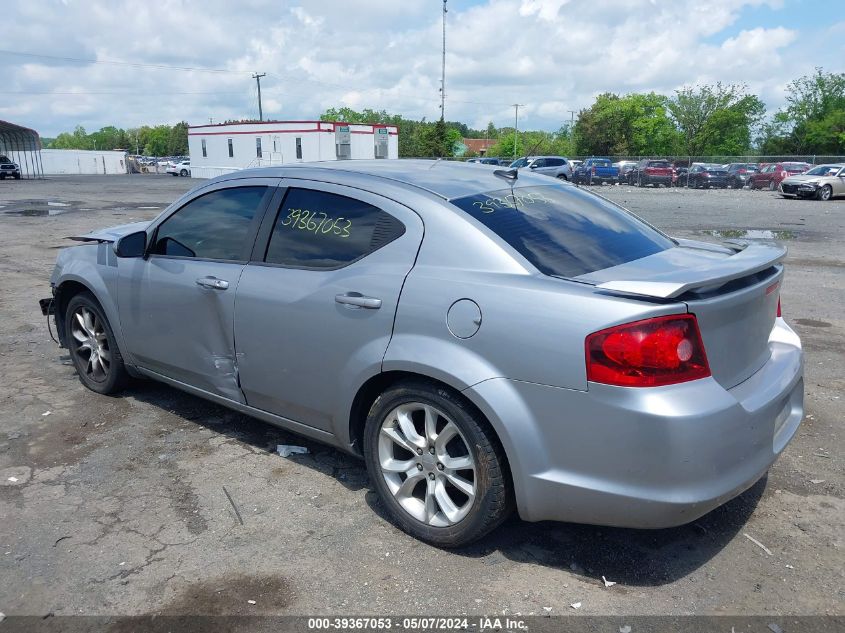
<point x="594" y="170"/>
<point x="779" y="307"/>
<point x="783" y="174"/>
<point x="660" y="351"/>
<point x="706" y="173"/>
<point x="741" y="171"/>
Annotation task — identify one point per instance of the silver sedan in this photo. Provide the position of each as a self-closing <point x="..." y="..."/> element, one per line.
<point x="484" y="339"/>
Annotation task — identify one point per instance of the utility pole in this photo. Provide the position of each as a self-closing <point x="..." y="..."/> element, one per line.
<point x="516" y="107"/>
<point x="443" y="69"/>
<point x="257" y="78"/>
<point x="571" y="118"/>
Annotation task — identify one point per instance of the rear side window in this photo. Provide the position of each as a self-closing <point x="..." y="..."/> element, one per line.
<point x="213" y="226"/>
<point x="317" y="229"/>
<point x="563" y="231"/>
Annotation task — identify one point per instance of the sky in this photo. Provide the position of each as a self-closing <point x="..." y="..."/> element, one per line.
<point x="108" y="62"/>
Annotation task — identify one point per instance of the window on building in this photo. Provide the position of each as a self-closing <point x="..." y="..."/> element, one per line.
<point x="213" y="226"/>
<point x="299" y="148"/>
<point x="204" y="150"/>
<point x="317" y="229"/>
<point x="258" y="146"/>
<point x="231" y="149"/>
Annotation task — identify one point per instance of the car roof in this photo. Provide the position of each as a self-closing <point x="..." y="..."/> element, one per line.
<point x="446" y="179"/>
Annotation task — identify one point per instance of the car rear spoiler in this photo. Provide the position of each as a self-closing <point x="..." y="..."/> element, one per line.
<point x="111" y="234"/>
<point x="749" y="258"/>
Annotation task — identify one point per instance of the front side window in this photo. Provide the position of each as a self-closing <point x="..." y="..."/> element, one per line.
<point x="213" y="226"/>
<point x="317" y="229"/>
<point x="564" y="232"/>
<point x="231" y="149"/>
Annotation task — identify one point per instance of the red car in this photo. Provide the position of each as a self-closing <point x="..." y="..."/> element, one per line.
<point x="771" y="175"/>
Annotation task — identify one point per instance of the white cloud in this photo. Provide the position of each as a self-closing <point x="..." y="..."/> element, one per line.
<point x="552" y="55"/>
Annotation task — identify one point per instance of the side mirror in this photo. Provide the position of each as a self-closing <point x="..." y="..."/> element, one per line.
<point x="132" y="245"/>
<point x="532" y="166"/>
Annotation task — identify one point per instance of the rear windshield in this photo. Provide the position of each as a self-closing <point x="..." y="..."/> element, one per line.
<point x="564" y="231"/>
<point x="659" y="163"/>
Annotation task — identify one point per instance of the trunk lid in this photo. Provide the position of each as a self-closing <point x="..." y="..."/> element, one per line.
<point x="732" y="291"/>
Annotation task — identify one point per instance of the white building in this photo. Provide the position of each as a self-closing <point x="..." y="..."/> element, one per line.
<point x="78" y="161"/>
<point x="224" y="148"/>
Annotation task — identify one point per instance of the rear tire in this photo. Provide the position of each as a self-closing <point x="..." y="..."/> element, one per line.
<point x="92" y="346"/>
<point x="421" y="437"/>
<point x="772" y="185"/>
<point x="183" y="173"/>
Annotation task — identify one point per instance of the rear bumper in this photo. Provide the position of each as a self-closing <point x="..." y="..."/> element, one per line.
<point x="659" y="180"/>
<point x="645" y="458"/>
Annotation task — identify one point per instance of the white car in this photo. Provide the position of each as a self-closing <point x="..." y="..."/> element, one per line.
<point x="179" y="169"/>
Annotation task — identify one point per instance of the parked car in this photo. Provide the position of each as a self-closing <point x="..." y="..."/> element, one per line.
<point x="555" y="166"/>
<point x="649" y="381"/>
<point x="482" y="160"/>
<point x="9" y="168"/>
<point x="822" y="182"/>
<point x="624" y="167"/>
<point x="651" y="172"/>
<point x="706" y="175"/>
<point x="771" y="175"/>
<point x="595" y="171"/>
<point x="680" y="176"/>
<point x="574" y="163"/>
<point x="739" y="173"/>
<point x="182" y="168"/>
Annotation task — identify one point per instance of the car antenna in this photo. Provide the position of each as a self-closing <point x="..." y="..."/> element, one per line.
<point x="434" y="164"/>
<point x="507" y="174"/>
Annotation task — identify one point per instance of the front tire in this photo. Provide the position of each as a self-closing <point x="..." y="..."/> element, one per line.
<point x="92" y="345"/>
<point x="183" y="173"/>
<point x="436" y="464"/>
<point x="825" y="193"/>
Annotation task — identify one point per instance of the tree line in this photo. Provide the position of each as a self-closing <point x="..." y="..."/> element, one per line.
<point x="157" y="140"/>
<point x="704" y="120"/>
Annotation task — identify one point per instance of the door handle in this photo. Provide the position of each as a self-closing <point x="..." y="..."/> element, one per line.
<point x="357" y="300"/>
<point x="213" y="282"/>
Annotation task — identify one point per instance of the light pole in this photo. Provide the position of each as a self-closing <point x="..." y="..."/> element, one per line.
<point x="516" y="107"/>
<point x="443" y="69"/>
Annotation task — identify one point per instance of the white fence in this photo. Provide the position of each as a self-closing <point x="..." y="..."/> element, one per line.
<point x="77" y="161"/>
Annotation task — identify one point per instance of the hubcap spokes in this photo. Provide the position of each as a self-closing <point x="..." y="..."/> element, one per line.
<point x="91" y="345"/>
<point x="426" y="464"/>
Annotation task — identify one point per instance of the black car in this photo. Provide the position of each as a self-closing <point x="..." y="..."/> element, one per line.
<point x="625" y="167"/>
<point x="8" y="168"/>
<point x="707" y="175"/>
<point x="739" y="173"/>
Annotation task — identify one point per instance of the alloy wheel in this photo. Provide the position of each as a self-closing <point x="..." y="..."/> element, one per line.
<point x="91" y="344"/>
<point x="427" y="464"/>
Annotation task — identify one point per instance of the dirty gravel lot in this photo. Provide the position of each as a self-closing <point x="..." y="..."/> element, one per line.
<point x="119" y="507"/>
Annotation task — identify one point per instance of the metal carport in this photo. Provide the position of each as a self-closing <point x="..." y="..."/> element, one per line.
<point x="23" y="146"/>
